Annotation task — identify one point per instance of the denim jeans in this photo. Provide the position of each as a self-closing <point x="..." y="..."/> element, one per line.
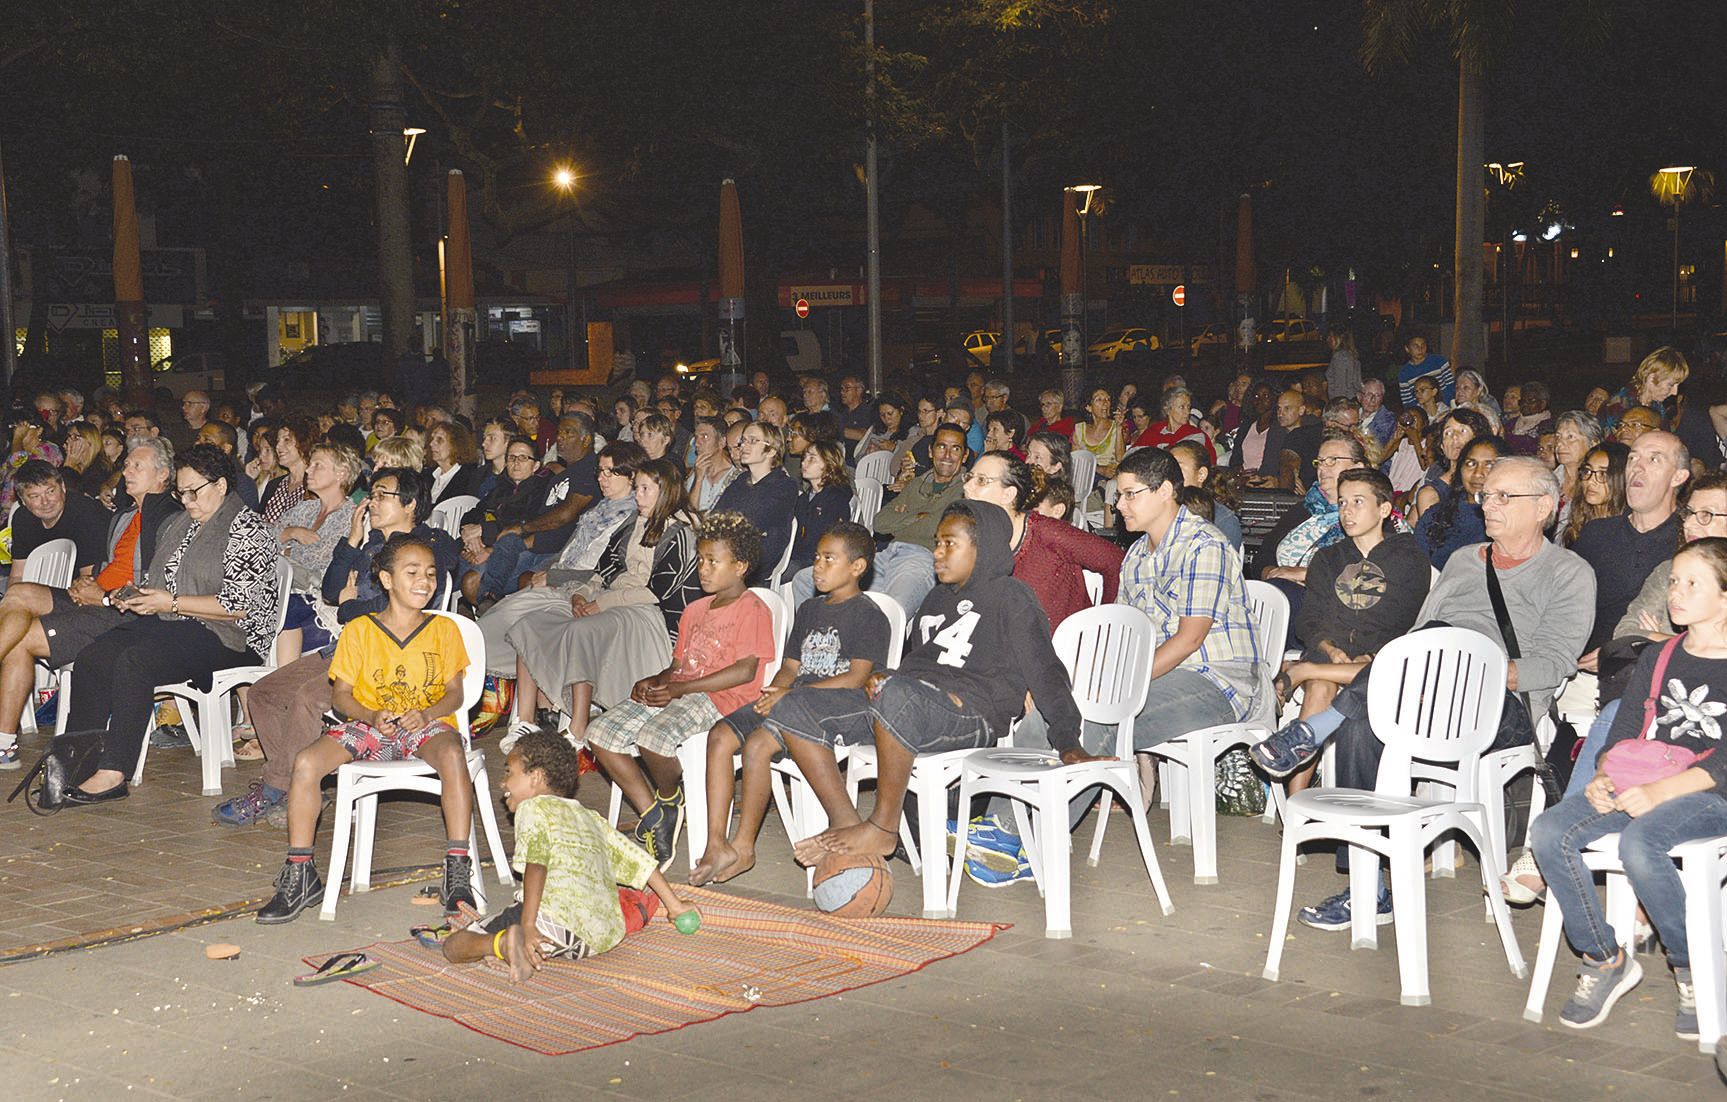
<point x="903" y="571"/>
<point x="1559" y="835"/>
<point x="510" y="557"/>
<point x="1178" y="702"/>
<point x="1593" y="743"/>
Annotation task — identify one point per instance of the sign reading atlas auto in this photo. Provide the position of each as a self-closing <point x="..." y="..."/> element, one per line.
<point x="822" y="294"/>
<point x="86" y="275"/>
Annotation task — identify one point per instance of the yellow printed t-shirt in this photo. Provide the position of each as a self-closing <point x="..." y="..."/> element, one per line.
<point x="399" y="675"/>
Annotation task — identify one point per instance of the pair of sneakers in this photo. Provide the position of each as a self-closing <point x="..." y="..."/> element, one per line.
<point x="1600" y="984"/>
<point x="995" y="855"/>
<point x="660" y="827"/>
<point x="298" y="886"/>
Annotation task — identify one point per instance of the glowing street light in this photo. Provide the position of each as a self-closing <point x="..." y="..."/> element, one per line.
<point x="409" y="134"/>
<point x="1087" y="190"/>
<point x="1669" y="185"/>
<point x="564" y="178"/>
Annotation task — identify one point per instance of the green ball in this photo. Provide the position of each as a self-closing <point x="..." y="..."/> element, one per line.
<point x="688" y="922"/>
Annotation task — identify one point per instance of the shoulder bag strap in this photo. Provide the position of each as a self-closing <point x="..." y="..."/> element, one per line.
<point x="1497" y="596"/>
<point x="1655" y="680"/>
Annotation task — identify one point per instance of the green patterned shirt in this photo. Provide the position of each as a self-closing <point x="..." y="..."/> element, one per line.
<point x="585" y="860"/>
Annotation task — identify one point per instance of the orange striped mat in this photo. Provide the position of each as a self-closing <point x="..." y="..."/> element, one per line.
<point x="747" y="954"/>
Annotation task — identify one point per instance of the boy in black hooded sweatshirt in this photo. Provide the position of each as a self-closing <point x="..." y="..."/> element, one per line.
<point x="979" y="642"/>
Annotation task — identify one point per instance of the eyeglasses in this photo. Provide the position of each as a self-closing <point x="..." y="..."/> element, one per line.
<point x="376" y="494"/>
<point x="518" y="459"/>
<point x="604" y="470"/>
<point x="1497" y="497"/>
<point x="1593" y="474"/>
<point x="1701" y="516"/>
<point x="1129" y="495"/>
<point x="188" y="494"/>
<point x="981" y="479"/>
<point x="1333" y="460"/>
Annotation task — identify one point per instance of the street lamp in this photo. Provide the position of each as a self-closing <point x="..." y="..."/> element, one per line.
<point x="564" y="179"/>
<point x="1508" y="175"/>
<point x="1670" y="184"/>
<point x="409" y="133"/>
<point x="1087" y="190"/>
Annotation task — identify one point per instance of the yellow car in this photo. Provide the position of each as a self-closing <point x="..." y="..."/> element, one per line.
<point x="1122" y="342"/>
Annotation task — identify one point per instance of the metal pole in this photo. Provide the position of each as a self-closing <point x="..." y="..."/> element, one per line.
<point x="1006" y="251"/>
<point x="1085" y="286"/>
<point x="8" y="328"/>
<point x="1677" y="203"/>
<point x="872" y="209"/>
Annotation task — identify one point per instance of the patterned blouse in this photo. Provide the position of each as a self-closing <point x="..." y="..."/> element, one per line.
<point x="248" y="577"/>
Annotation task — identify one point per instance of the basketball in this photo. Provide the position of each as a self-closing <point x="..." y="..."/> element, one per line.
<point x="853" y="885"/>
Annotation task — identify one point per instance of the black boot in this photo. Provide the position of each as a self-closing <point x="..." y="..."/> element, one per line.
<point x="458" y="890"/>
<point x="298" y="885"/>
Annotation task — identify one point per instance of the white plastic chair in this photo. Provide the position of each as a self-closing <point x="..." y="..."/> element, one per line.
<point x="206" y="713"/>
<point x="360" y="783"/>
<point x="1107" y="652"/>
<point x="778" y="577"/>
<point x="799" y="808"/>
<point x="51" y="565"/>
<point x="1702" y="867"/>
<point x="448" y="515"/>
<point x="1435" y="696"/>
<point x="866" y="500"/>
<point x="876" y="465"/>
<point x="1190" y="772"/>
<point x="1093" y="585"/>
<point x="1083" y="464"/>
<point x="693" y="751"/>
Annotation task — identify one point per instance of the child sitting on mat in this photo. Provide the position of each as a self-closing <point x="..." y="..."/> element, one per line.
<point x="398" y="680"/>
<point x="571" y="862"/>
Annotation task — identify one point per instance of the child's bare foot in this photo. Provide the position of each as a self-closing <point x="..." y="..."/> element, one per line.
<point x="516" y="954"/>
<point x="722" y="862"/>
<point x="861" y="838"/>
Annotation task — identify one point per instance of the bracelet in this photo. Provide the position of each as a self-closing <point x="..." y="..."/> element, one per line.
<point x="174" y="604"/>
<point x="497" y="937"/>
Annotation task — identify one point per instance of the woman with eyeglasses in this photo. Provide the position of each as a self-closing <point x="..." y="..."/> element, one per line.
<point x="518" y="498"/>
<point x="1312" y="523"/>
<point x="765" y="494"/>
<point x="1456" y="430"/>
<point x="1601" y="489"/>
<point x="206" y="603"/>
<point x="308" y="535"/>
<point x="1458" y="521"/>
<point x="1574" y="434"/>
<point x="286" y="709"/>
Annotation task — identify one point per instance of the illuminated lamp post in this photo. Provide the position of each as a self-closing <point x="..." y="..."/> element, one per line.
<point x="1670" y="185"/>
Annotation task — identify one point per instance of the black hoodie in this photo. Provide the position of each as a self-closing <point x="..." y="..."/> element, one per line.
<point x="987" y="640"/>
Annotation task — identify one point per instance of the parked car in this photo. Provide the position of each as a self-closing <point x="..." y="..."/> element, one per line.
<point x="1051" y="340"/>
<point x="1214" y="334"/>
<point x="183" y="371"/>
<point x="1290" y="331"/>
<point x="980" y="343"/>
<point x="1122" y="343"/>
<point x="803" y="352"/>
<point x="354" y="364"/>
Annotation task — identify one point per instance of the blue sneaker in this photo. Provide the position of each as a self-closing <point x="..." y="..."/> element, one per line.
<point x="1334" y="914"/>
<point x="1285" y="752"/>
<point x="246" y="810"/>
<point x="997" y="870"/>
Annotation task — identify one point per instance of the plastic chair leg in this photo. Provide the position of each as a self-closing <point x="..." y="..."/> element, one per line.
<point x="1546" y="951"/>
<point x="1202" y="812"/>
<point x="695" y="767"/>
<point x="932" y="833"/>
<point x="1180" y="791"/>
<point x="339" y="841"/>
<point x="1364" y="897"/>
<point x="489" y="817"/>
<point x="1701" y="874"/>
<point x="1285" y="903"/>
<point x="365" y="838"/>
<point x="1056" y="843"/>
<point x="1148" y="852"/>
<point x="1409" y="905"/>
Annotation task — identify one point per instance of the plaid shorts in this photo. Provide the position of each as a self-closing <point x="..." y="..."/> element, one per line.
<point x="556" y="942"/>
<point x="657" y="730"/>
<point x="367" y="743"/>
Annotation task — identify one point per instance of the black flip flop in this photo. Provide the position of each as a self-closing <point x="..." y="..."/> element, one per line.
<point x="339" y="967"/>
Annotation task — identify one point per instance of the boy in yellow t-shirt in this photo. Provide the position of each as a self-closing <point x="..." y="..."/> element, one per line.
<point x="398" y="679"/>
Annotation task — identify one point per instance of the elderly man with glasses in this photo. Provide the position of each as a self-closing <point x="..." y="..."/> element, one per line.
<point x="1549" y="597"/>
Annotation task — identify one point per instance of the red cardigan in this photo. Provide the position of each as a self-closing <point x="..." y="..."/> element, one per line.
<point x="1050" y="559"/>
<point x="1159" y="435"/>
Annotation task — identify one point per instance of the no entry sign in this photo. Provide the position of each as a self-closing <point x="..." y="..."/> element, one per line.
<point x="802" y="306"/>
<point x="1179" y="294"/>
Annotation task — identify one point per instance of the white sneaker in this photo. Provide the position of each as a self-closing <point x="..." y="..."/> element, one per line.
<point x="518" y="728"/>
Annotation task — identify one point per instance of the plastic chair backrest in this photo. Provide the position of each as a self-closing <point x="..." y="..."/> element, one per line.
<point x="1093" y="585"/>
<point x="448" y="515"/>
<point x="877" y="465"/>
<point x="1083" y="464"/>
<point x="1269" y="609"/>
<point x="1435" y="695"/>
<point x="51" y="564"/>
<point x="866" y="500"/>
<point x="779" y="574"/>
<point x="895" y="624"/>
<point x="782" y="623"/>
<point x="474" y="676"/>
<point x="1107" y="653"/>
<point x="284" y="590"/>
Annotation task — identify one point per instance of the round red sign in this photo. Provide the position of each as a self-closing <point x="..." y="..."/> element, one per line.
<point x="1179" y="295"/>
<point x="802" y="306"/>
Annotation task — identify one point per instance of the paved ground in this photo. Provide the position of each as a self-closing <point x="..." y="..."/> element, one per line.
<point x="1136" y="1005"/>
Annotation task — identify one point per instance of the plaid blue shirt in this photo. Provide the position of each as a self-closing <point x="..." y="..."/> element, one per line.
<point x="1194" y="572"/>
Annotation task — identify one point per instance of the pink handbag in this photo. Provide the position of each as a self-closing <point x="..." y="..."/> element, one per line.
<point x="1645" y="759"/>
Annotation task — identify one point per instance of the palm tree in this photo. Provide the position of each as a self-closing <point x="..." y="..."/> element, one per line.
<point x="1476" y="32"/>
